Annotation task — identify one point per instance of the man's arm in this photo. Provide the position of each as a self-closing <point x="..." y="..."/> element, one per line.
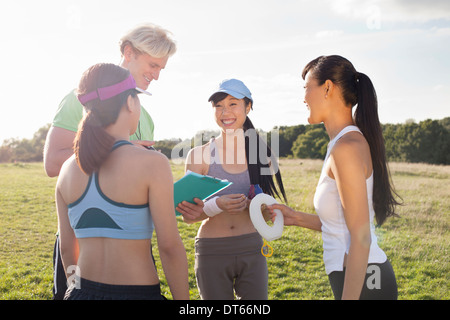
<point x="58" y="148"/>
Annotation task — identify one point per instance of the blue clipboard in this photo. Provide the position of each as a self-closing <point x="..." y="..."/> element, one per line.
<point x="194" y="185"/>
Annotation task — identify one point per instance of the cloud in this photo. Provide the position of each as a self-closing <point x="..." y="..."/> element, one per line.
<point x="417" y="10"/>
<point x="393" y="10"/>
<point x="329" y="33"/>
<point x="438" y="87"/>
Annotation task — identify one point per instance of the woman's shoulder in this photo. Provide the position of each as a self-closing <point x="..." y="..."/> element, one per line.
<point x="198" y="158"/>
<point x="69" y="167"/>
<point x="352" y="151"/>
<point x="70" y="177"/>
<point x="138" y="159"/>
<point x="197" y="154"/>
<point x="150" y="157"/>
<point x="350" y="143"/>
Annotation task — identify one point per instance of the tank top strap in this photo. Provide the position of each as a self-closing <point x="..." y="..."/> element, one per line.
<point x="346" y="130"/>
<point x="213" y="152"/>
<point x="339" y="136"/>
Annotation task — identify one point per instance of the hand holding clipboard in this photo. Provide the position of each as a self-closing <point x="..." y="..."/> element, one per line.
<point x="194" y="185"/>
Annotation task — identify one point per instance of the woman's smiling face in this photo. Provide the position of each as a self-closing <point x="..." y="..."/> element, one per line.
<point x="231" y="113"/>
<point x="314" y="99"/>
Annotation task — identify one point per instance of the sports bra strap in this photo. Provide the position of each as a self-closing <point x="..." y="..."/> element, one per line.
<point x="120" y="143"/>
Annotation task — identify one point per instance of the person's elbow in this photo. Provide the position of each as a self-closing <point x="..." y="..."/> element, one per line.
<point x="170" y="247"/>
<point x="57" y="149"/>
<point x="51" y="165"/>
<point x="51" y="169"/>
<point x="362" y="237"/>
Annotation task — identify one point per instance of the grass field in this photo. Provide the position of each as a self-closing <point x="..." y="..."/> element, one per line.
<point x="417" y="243"/>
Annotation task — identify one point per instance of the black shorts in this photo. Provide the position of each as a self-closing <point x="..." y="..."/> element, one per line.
<point x="59" y="275"/>
<point x="379" y="283"/>
<point x="91" y="290"/>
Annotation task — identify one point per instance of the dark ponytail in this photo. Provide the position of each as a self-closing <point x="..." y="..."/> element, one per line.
<point x="366" y="118"/>
<point x="357" y="89"/>
<point x="255" y="168"/>
<point x="92" y="144"/>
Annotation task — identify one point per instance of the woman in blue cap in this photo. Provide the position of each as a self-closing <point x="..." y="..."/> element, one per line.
<point x="228" y="259"/>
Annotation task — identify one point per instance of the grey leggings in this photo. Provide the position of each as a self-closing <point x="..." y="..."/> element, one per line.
<point x="229" y="266"/>
<point x="379" y="283"/>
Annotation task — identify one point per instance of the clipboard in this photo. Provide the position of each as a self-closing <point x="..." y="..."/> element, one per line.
<point x="194" y="185"/>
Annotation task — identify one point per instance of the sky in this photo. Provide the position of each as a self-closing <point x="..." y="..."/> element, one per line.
<point x="402" y="45"/>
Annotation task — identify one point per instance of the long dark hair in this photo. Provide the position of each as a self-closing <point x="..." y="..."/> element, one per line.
<point x="92" y="144"/>
<point x="357" y="88"/>
<point x="265" y="181"/>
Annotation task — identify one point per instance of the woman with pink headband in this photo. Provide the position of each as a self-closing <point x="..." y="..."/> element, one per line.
<point x="111" y="194"/>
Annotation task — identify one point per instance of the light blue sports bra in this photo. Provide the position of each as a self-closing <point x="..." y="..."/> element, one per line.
<point x="96" y="215"/>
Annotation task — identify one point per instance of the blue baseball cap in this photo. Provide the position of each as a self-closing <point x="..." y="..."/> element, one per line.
<point x="233" y="87"/>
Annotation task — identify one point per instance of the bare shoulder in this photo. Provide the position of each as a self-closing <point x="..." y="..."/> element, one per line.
<point x="144" y="167"/>
<point x="197" y="154"/>
<point x="151" y="160"/>
<point x="198" y="159"/>
<point x="353" y="142"/>
<point x="352" y="151"/>
<point x="71" y="180"/>
<point x="69" y="168"/>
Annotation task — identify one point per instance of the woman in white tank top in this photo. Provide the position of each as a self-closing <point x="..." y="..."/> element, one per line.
<point x="354" y="187"/>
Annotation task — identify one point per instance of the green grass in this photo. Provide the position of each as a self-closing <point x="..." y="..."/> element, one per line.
<point x="417" y="243"/>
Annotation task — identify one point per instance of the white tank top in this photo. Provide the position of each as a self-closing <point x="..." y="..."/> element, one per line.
<point x="335" y="234"/>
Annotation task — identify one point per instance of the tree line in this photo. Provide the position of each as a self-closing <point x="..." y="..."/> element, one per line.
<point x="427" y="141"/>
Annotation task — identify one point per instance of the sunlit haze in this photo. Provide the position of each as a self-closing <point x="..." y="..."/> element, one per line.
<point x="404" y="47"/>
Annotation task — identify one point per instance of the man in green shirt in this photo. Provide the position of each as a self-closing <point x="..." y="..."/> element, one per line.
<point x="68" y="116"/>
<point x="145" y="51"/>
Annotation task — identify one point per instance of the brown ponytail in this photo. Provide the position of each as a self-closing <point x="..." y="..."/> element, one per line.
<point x="92" y="143"/>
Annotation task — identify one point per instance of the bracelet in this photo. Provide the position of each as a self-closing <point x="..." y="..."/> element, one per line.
<point x="211" y="208"/>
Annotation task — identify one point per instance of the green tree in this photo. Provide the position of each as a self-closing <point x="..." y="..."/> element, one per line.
<point x="25" y="150"/>
<point x="427" y="141"/>
<point x="312" y="144"/>
<point x="434" y="143"/>
<point x="287" y="136"/>
<point x="166" y="146"/>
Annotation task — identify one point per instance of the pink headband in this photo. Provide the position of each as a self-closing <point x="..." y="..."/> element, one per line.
<point x="111" y="91"/>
